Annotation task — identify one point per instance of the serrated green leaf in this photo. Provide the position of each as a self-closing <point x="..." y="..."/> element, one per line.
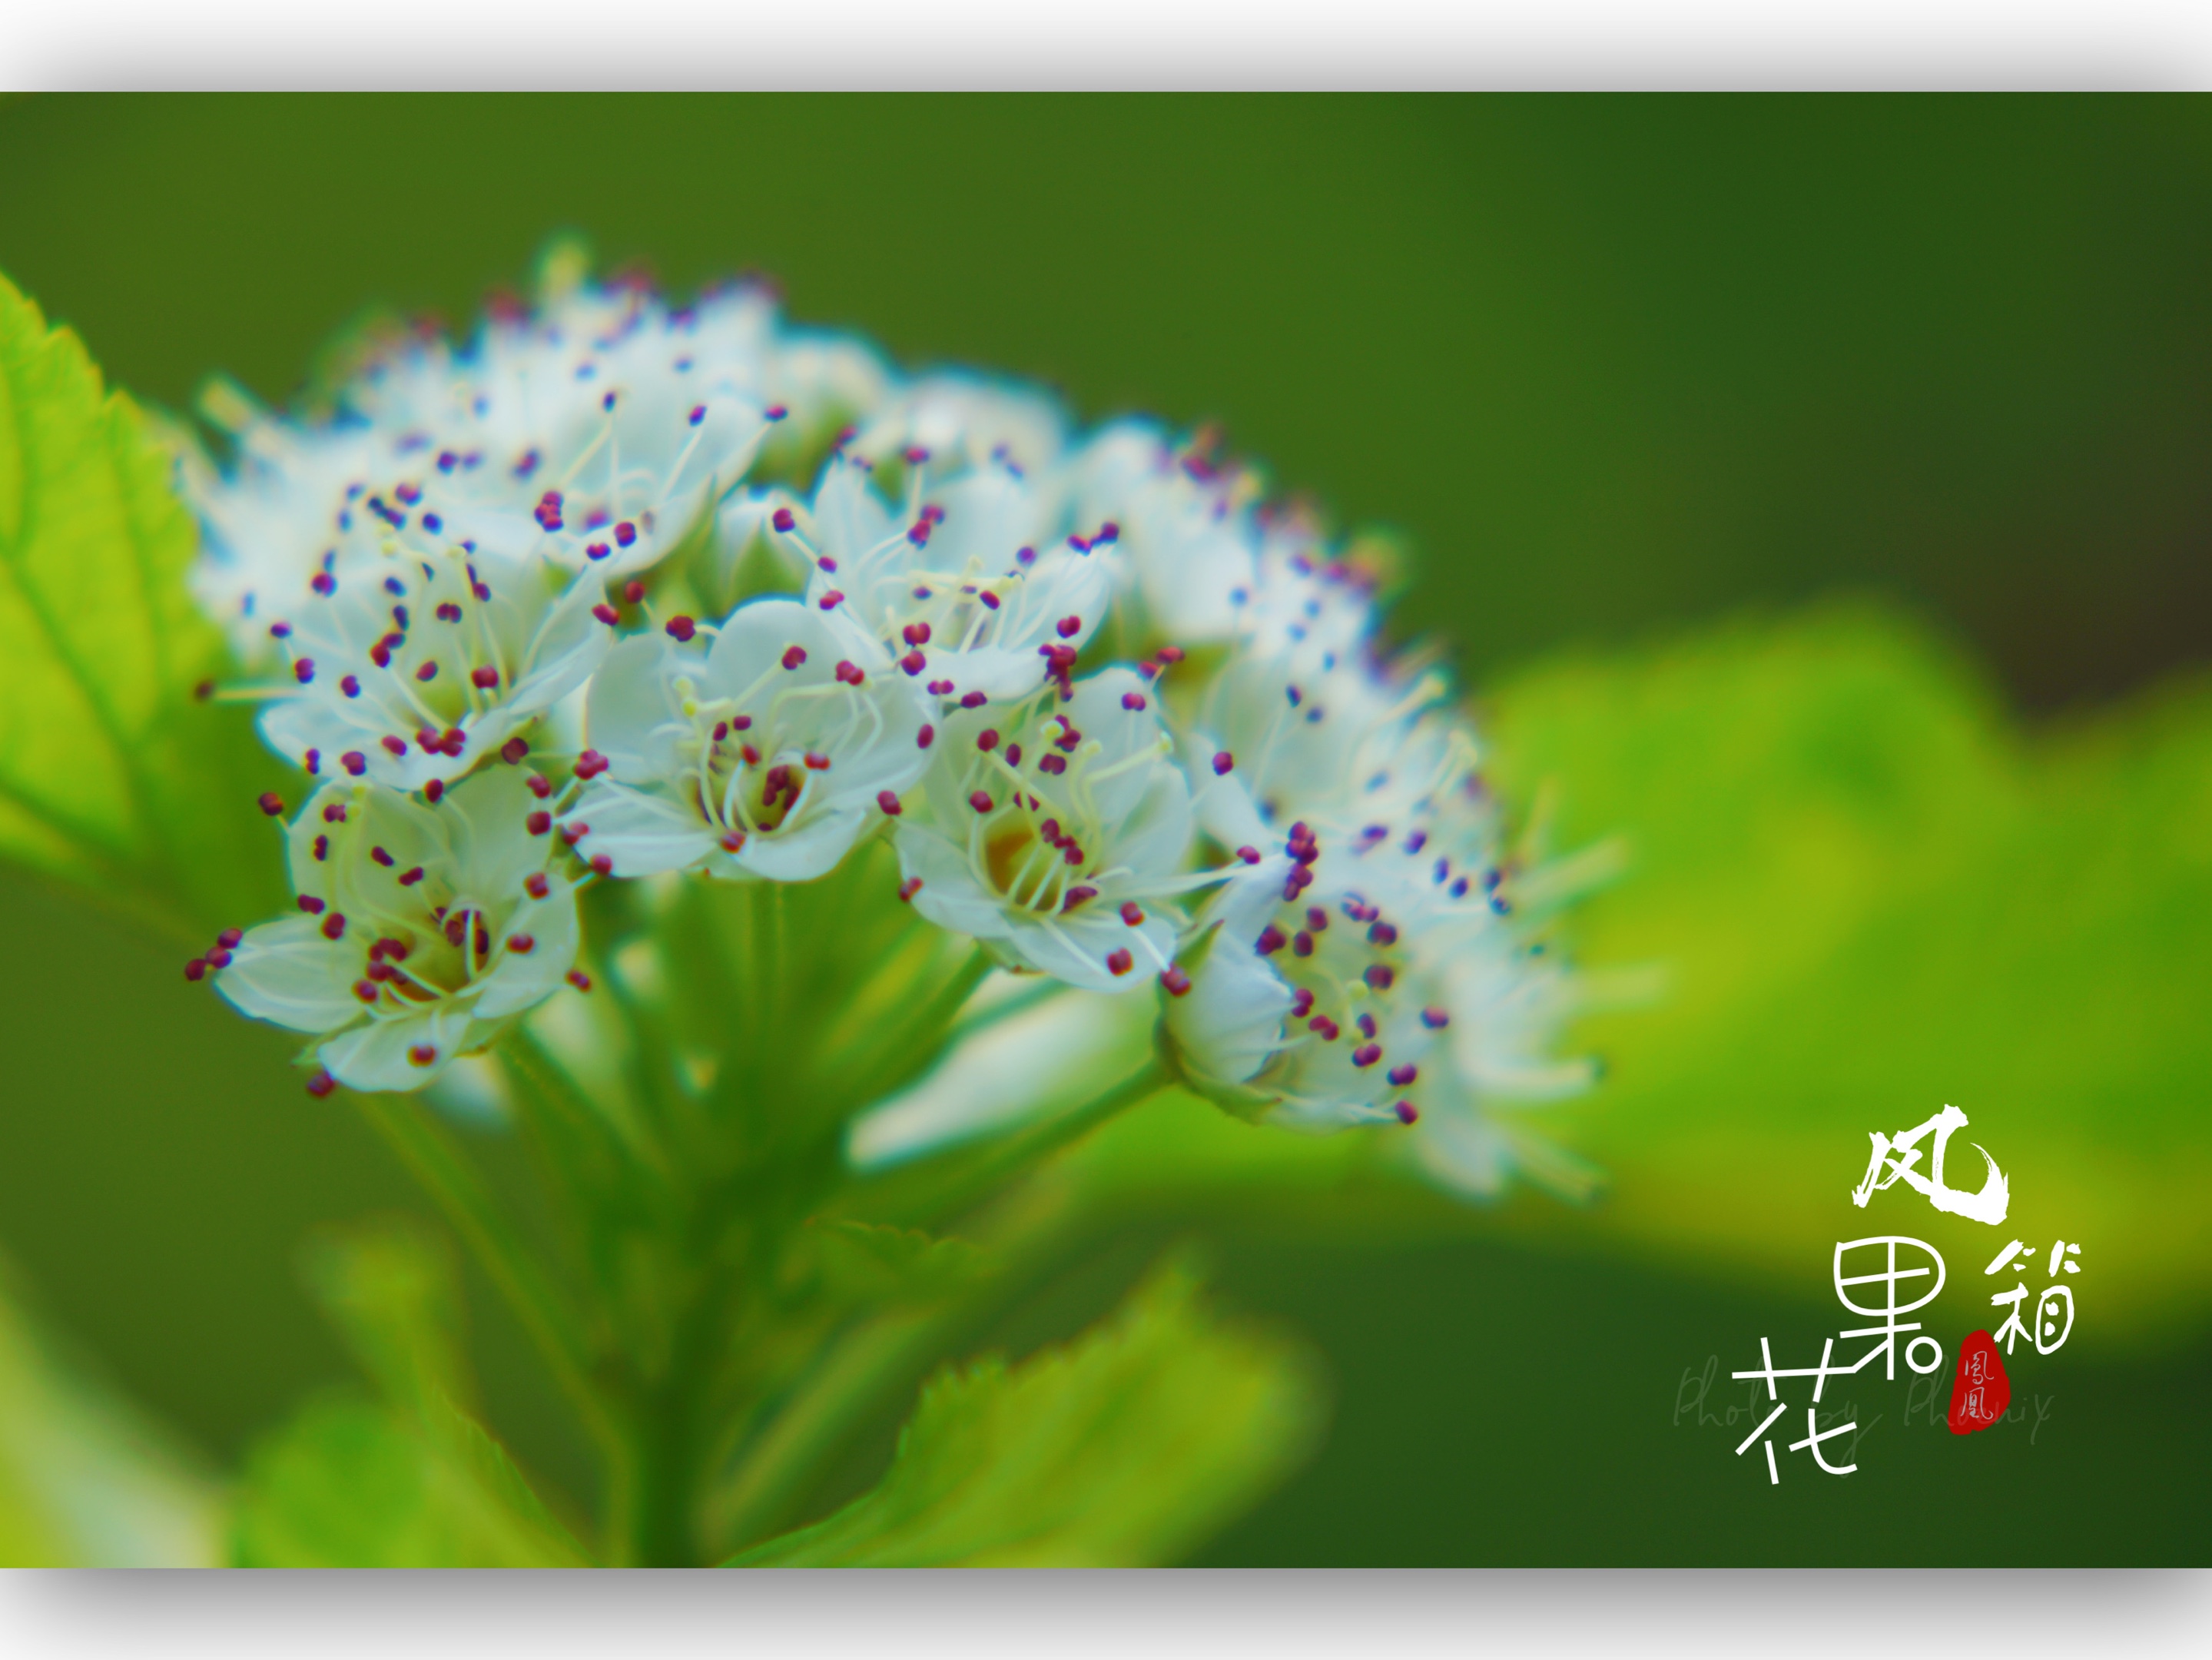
<point x="85" y="1480"/>
<point x="497" y="1483"/>
<point x="113" y="776"/>
<point x="1127" y="1447"/>
<point x="864" y="1262"/>
<point x="347" y="1484"/>
<point x="415" y="1481"/>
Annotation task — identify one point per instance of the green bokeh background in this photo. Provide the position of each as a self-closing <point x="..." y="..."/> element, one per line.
<point x="1615" y="368"/>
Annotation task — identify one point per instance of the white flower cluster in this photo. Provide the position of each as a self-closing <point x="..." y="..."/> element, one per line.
<point x="1124" y="725"/>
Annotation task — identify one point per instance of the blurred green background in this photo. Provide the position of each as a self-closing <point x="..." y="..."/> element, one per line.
<point x="1640" y="381"/>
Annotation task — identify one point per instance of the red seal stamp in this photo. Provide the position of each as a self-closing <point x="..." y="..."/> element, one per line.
<point x="1981" y="1391"/>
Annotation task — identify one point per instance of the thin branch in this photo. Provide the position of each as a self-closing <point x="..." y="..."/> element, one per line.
<point x="985" y="1170"/>
<point x="546" y="1314"/>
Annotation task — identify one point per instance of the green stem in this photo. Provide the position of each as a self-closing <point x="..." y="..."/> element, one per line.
<point x="771" y="988"/>
<point x="646" y="1060"/>
<point x="430" y="1155"/>
<point x="853" y="1385"/>
<point x="660" y="1523"/>
<point x="550" y="1080"/>
<point x="1020" y="1002"/>
<point x="829" y="1404"/>
<point x="860" y="1377"/>
<point x="896" y="1048"/>
<point x="931" y="1189"/>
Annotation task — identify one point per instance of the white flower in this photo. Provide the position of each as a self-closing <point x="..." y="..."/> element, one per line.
<point x="767" y="753"/>
<point x="955" y="422"/>
<point x="424" y="932"/>
<point x="1056" y="832"/>
<point x="1321" y="980"/>
<point x="1373" y="973"/>
<point x="263" y="527"/>
<point x="974" y="587"/>
<point x="1303" y="722"/>
<point x="1294" y="1009"/>
<point x="1502" y="1001"/>
<point x="419" y="671"/>
<point x="1188" y="562"/>
<point x="598" y="429"/>
<point x="595" y="434"/>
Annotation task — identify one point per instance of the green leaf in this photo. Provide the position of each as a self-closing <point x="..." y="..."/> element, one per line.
<point x="861" y="1262"/>
<point x="85" y="1480"/>
<point x="347" y="1484"/>
<point x="1127" y="1447"/>
<point x="392" y="1289"/>
<point x="1872" y="894"/>
<point x="113" y="776"/>
<point x="415" y="1481"/>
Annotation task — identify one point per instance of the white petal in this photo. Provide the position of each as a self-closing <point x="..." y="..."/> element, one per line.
<point x="519" y="979"/>
<point x="294" y="725"/>
<point x="848" y="518"/>
<point x="1098" y="711"/>
<point x="963" y="418"/>
<point x="380" y="1055"/>
<point x="949" y="895"/>
<point x="1157" y="832"/>
<point x="568" y="643"/>
<point x="1071" y="584"/>
<point x="642" y="831"/>
<point x="812" y="849"/>
<point x="286" y="973"/>
<point x="494" y="851"/>
<point x="753" y="638"/>
<point x="1231" y="1019"/>
<point x="349" y="877"/>
<point x="825" y="379"/>
<point x="1464" y="1153"/>
<point x="1074" y="946"/>
<point x="1221" y="804"/>
<point x="1321" y="1117"/>
<point x="996" y="671"/>
<point x="628" y="717"/>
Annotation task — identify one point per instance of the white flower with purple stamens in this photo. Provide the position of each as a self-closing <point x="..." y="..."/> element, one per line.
<point x="1388" y="980"/>
<point x="599" y="428"/>
<point x="764" y="747"/>
<point x="974" y="586"/>
<point x="1308" y="725"/>
<point x="424" y="932"/>
<point x="595" y="434"/>
<point x="428" y="573"/>
<point x="1292" y="1004"/>
<point x="1188" y="538"/>
<point x="265" y="526"/>
<point x="1321" y="983"/>
<point x="1481" y="972"/>
<point x="1498" y="1003"/>
<point x="959" y="422"/>
<point x="414" y="672"/>
<point x="1057" y="832"/>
